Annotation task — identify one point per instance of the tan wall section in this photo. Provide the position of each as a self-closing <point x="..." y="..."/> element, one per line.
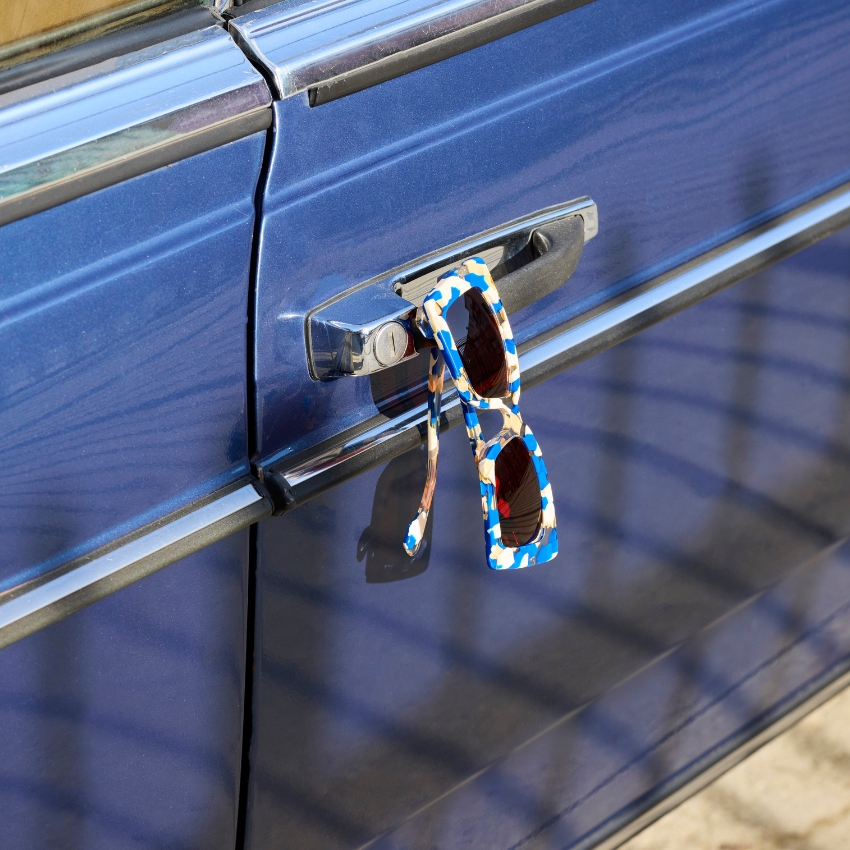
<point x="23" y="18"/>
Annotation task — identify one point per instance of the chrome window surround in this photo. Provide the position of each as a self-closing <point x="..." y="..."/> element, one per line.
<point x="88" y="129"/>
<point x="338" y="47"/>
<point x="38" y="603"/>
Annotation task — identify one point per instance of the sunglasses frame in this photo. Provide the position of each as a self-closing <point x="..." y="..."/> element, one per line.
<point x="474" y="274"/>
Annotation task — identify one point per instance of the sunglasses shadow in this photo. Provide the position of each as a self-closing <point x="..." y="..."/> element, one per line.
<point x="394" y="505"/>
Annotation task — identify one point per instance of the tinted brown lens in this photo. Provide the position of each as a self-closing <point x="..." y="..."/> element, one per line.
<point x="517" y="494"/>
<point x="479" y="344"/>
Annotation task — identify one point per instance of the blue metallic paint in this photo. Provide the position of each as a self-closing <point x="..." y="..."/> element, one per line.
<point x="123" y="326"/>
<point x="701" y="469"/>
<point x="122" y="725"/>
<point x="702" y="472"/>
<point x="686" y="125"/>
<point x="590" y="773"/>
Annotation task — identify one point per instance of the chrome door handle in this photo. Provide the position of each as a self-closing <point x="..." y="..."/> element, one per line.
<point x="371" y="327"/>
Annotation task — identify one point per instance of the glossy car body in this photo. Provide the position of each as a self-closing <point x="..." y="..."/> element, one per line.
<point x="181" y="668"/>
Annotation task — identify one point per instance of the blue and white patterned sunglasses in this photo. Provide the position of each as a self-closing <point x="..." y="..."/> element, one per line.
<point x="516" y="497"/>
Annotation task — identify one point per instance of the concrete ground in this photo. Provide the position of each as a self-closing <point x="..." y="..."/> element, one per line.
<point x="792" y="794"/>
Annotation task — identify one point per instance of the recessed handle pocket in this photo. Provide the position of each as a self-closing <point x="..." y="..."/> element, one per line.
<point x="558" y="247"/>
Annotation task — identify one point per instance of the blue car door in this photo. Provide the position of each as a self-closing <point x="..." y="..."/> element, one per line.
<point x="699" y="467"/>
<point x="128" y="171"/>
<point x="216" y="228"/>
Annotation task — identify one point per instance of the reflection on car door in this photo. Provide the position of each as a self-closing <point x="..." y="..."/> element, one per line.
<point x="699" y="470"/>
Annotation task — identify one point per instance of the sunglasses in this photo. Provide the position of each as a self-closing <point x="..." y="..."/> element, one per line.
<point x="463" y="316"/>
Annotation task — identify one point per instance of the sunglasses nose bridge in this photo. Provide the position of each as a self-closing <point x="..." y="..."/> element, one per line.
<point x="501" y="439"/>
<point x="511" y="421"/>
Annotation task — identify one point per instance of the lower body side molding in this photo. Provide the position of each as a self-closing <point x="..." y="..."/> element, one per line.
<point x="44" y="600"/>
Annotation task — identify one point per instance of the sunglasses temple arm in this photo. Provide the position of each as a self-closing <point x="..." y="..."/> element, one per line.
<point x="416" y="529"/>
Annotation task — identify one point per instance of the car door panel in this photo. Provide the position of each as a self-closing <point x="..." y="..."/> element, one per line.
<point x="122" y="725"/>
<point x="426" y="701"/>
<point x="125" y="386"/>
<point x="628" y="108"/>
<point x="700" y="477"/>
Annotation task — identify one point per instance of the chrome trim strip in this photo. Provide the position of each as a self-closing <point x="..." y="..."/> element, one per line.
<point x="336" y="461"/>
<point x="38" y="603"/>
<point x="347" y="45"/>
<point x="673" y="292"/>
<point x="370" y="441"/>
<point x="87" y="129"/>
